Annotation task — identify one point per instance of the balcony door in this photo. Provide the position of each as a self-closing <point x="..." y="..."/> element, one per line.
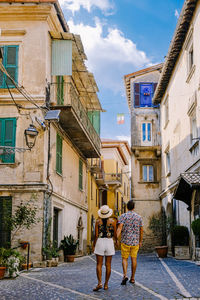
<point x="55" y="226"/>
<point x="104" y="197"/>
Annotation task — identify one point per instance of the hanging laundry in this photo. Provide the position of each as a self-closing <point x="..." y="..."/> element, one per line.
<point x="120" y="118"/>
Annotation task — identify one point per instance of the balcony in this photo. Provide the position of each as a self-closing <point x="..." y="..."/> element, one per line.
<point x="100" y="178"/>
<point x="95" y="165"/>
<point x="113" y="179"/>
<point x="74" y="119"/>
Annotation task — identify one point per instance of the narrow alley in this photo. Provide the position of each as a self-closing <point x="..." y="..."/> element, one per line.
<point x="155" y="279"/>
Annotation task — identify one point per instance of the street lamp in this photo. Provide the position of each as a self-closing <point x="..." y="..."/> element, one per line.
<point x="30" y="136"/>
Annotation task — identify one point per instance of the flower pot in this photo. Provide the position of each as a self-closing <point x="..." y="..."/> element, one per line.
<point x="2" y="272"/>
<point x="69" y="258"/>
<point x="182" y="252"/>
<point x="24" y="266"/>
<point x="162" y="251"/>
<point x="23" y="244"/>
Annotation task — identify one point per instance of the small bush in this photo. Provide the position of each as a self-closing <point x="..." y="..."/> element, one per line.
<point x="180" y="235"/>
<point x="196" y="227"/>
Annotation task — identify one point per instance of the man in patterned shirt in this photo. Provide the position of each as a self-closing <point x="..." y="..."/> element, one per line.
<point x="131" y="229"/>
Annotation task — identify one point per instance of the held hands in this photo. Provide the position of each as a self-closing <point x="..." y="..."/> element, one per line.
<point x="117" y="243"/>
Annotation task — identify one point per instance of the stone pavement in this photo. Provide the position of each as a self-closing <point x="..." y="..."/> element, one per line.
<point x="155" y="279"/>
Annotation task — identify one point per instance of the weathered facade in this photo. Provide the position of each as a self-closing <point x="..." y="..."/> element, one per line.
<point x="178" y="95"/>
<point x="145" y="146"/>
<point x="46" y="62"/>
<point x="108" y="181"/>
<point x="115" y="156"/>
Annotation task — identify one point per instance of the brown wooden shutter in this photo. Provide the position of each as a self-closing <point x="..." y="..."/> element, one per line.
<point x="136" y="94"/>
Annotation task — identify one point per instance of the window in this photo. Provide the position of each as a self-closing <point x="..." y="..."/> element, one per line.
<point x="143" y="94"/>
<point x="10" y="62"/>
<point x="5" y="212"/>
<point x="194" y="130"/>
<point x="60" y="90"/>
<point x="168" y="163"/>
<point x="146" y="132"/>
<point x="94" y="117"/>
<point x="190" y="58"/>
<point x="96" y="197"/>
<point x="7" y="139"/>
<point x="59" y="154"/>
<point x="147" y="173"/>
<point x="166" y="111"/>
<point x="80" y="175"/>
<point x="189" y="55"/>
<point x="91" y="189"/>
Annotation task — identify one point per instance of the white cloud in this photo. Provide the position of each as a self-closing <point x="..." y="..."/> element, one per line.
<point x="176" y="13"/>
<point x="110" y="55"/>
<point x="106" y="6"/>
<point x="124" y="138"/>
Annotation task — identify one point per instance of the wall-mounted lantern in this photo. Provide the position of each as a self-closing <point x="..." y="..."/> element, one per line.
<point x="30" y="136"/>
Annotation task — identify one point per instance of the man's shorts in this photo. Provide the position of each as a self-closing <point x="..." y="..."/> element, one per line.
<point x="104" y="246"/>
<point x="127" y="250"/>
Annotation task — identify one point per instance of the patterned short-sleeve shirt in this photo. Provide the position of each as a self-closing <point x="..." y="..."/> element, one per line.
<point x="132" y="223"/>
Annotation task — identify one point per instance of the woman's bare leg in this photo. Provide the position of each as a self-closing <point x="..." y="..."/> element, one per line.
<point x="99" y="260"/>
<point x="108" y="270"/>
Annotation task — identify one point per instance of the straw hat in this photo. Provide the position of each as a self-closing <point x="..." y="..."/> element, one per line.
<point x="105" y="212"/>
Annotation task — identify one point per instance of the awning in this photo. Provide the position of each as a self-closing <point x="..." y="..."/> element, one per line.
<point x="188" y="181"/>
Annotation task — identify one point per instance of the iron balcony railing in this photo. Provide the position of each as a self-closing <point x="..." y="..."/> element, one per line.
<point x="95" y="165"/>
<point x="113" y="178"/>
<point x="65" y="94"/>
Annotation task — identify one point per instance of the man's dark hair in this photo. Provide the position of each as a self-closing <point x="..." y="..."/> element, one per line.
<point x="131" y="205"/>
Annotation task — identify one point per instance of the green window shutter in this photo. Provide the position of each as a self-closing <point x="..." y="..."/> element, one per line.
<point x="59" y="154"/>
<point x="60" y="90"/>
<point x="7" y="138"/>
<point x="5" y="212"/>
<point x="90" y="116"/>
<point x="61" y="57"/>
<point x="96" y="121"/>
<point x="10" y="62"/>
<point x="1" y="132"/>
<point x="1" y="73"/>
<point x="80" y="174"/>
<point x="94" y="117"/>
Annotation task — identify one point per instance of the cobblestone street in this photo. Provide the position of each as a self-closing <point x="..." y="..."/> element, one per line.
<point x="155" y="279"/>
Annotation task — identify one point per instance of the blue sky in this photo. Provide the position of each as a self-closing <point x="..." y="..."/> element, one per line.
<point x="121" y="37"/>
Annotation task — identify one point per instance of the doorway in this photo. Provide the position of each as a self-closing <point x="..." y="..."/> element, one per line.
<point x="55" y="226"/>
<point x="104" y="197"/>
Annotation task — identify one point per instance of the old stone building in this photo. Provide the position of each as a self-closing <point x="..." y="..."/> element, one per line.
<point x="109" y="182"/>
<point x="145" y="146"/>
<point x="50" y="89"/>
<point x="178" y="95"/>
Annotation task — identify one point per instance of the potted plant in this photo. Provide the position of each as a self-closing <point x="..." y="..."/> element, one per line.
<point x="55" y="252"/>
<point x="10" y="262"/>
<point x="47" y="253"/>
<point x="14" y="261"/>
<point x="180" y="238"/>
<point x="196" y="230"/>
<point x="69" y="245"/>
<point x="196" y="227"/>
<point x="160" y="225"/>
<point x="2" y="262"/>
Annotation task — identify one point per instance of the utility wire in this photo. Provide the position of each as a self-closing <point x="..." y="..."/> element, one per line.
<point x="20" y="89"/>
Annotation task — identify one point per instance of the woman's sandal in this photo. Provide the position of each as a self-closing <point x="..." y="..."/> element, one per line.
<point x="98" y="287"/>
<point x="124" y="280"/>
<point x="105" y="287"/>
<point x="132" y="280"/>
